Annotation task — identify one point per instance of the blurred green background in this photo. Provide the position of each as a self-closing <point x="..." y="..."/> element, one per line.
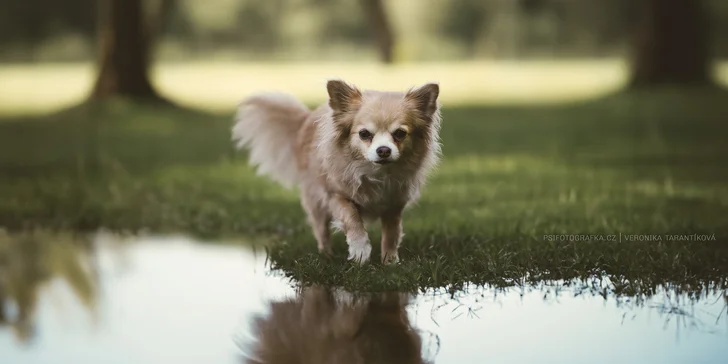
<point x="560" y="117"/>
<point x="211" y="54"/>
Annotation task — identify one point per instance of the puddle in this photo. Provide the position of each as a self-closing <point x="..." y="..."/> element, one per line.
<point x="174" y="300"/>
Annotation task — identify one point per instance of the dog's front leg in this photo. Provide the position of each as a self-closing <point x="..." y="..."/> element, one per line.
<point x="391" y="235"/>
<point x="357" y="238"/>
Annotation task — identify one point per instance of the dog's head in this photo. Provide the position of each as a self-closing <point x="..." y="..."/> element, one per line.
<point x="385" y="127"/>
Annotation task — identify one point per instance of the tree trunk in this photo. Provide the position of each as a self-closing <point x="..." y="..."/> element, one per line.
<point x="158" y="21"/>
<point x="672" y="44"/>
<point x="379" y="23"/>
<point x="125" y="54"/>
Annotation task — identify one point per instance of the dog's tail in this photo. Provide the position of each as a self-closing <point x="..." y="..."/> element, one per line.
<point x="267" y="125"/>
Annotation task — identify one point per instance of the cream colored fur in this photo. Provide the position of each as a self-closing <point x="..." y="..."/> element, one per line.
<point x="268" y="124"/>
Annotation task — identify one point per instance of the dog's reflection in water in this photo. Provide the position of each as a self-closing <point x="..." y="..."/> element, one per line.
<point x="325" y="327"/>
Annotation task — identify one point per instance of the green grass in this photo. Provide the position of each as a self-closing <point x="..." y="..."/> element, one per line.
<point x="651" y="163"/>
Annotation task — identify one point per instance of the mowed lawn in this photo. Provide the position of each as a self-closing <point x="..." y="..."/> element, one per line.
<point x="636" y="166"/>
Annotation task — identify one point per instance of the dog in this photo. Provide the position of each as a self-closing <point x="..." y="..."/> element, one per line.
<point x="362" y="156"/>
<point x="321" y="325"/>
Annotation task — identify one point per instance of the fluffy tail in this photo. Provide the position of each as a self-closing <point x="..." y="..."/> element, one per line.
<point x="267" y="125"/>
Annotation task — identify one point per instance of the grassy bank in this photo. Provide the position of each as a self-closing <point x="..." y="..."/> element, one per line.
<point x="652" y="164"/>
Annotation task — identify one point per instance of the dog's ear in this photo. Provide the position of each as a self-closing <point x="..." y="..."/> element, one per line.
<point x="342" y="96"/>
<point x="425" y="98"/>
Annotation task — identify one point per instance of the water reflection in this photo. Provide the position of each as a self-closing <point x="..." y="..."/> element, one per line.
<point x="332" y="326"/>
<point x="552" y="322"/>
<point x="29" y="261"/>
<point x="159" y="300"/>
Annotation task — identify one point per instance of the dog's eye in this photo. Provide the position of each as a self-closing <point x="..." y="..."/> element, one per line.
<point x="399" y="134"/>
<point x="365" y="134"/>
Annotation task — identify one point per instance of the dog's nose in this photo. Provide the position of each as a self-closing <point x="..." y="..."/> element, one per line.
<point x="384" y="152"/>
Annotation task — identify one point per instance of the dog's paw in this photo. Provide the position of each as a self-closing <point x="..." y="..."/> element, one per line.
<point x="326" y="250"/>
<point x="359" y="249"/>
<point x="390" y="257"/>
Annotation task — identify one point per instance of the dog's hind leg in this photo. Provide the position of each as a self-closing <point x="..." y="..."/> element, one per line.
<point x="391" y="235"/>
<point x="319" y="219"/>
<point x="321" y="225"/>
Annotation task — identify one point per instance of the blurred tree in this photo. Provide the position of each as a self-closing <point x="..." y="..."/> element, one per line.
<point x="125" y="49"/>
<point x="532" y="6"/>
<point x="671" y="44"/>
<point x="52" y="30"/>
<point x="342" y="21"/>
<point x="160" y="19"/>
<point x="379" y="24"/>
<point x="25" y="24"/>
<point x="258" y="24"/>
<point x="463" y="21"/>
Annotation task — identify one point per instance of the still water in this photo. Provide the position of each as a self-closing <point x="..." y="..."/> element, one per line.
<point x="175" y="300"/>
